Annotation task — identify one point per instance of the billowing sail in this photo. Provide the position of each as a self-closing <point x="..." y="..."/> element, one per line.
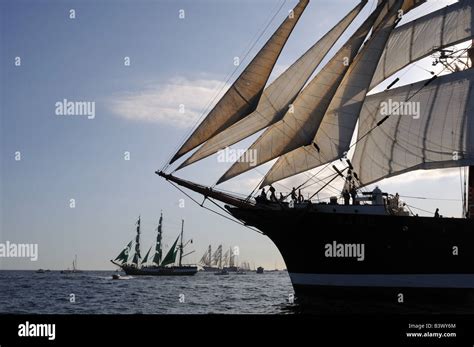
<point x="333" y="137"/>
<point x="217" y="257"/>
<point x="146" y="256"/>
<point x="244" y="94"/>
<point x="423" y="36"/>
<point x="407" y="6"/>
<point x="123" y="256"/>
<point x="299" y="125"/>
<point x="277" y="97"/>
<point x="429" y="127"/>
<point x="207" y="258"/>
<point x="170" y="257"/>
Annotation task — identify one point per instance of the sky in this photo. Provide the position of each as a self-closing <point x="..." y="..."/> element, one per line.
<point x="173" y="61"/>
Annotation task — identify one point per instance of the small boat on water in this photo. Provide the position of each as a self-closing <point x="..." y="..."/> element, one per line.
<point x="221" y="272"/>
<point x="74" y="268"/>
<point x="40" y="271"/>
<point x="260" y="270"/>
<point x="120" y="277"/>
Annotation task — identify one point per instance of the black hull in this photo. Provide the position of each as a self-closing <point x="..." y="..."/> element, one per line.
<point x="160" y="271"/>
<point x="210" y="269"/>
<point x="418" y="257"/>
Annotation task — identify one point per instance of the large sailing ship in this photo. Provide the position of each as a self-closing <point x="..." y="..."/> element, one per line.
<point x="372" y="244"/>
<point x="132" y="263"/>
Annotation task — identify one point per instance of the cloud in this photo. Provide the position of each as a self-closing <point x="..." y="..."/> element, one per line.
<point x="422" y="175"/>
<point x="178" y="102"/>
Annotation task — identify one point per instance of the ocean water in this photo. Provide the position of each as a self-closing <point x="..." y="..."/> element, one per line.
<point x="95" y="292"/>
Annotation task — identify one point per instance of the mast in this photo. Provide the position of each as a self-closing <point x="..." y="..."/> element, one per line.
<point x="219" y="254"/>
<point x="181" y="243"/>
<point x="231" y="257"/>
<point x="209" y="256"/>
<point x="137" y="257"/>
<point x="158" y="250"/>
<point x="470" y="197"/>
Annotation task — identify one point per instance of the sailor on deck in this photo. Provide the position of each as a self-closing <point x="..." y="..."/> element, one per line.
<point x="293" y="195"/>
<point x="346" y="196"/>
<point x="300" y="196"/>
<point x="377" y="197"/>
<point x="282" y="198"/>
<point x="273" y="197"/>
<point x="353" y="194"/>
<point x="263" y="195"/>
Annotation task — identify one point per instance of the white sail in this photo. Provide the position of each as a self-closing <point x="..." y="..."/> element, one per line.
<point x="299" y="125"/>
<point x="244" y="94"/>
<point x="279" y="94"/>
<point x="420" y="38"/>
<point x="407" y="6"/>
<point x="333" y="137"/>
<point x="440" y="135"/>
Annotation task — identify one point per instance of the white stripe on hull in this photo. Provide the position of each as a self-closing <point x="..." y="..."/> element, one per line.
<point x="385" y="280"/>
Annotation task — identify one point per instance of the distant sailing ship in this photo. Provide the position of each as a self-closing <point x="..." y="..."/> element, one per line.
<point x="215" y="262"/>
<point x="209" y="260"/>
<point x="74" y="268"/>
<point x="311" y="125"/>
<point x="157" y="266"/>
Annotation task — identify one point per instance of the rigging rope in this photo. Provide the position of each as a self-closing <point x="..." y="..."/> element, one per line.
<point x="207" y="208"/>
<point x="230" y="76"/>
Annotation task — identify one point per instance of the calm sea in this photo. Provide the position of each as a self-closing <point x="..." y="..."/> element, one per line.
<point x="95" y="292"/>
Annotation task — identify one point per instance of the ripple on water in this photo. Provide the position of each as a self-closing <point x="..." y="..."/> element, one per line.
<point x="96" y="292"/>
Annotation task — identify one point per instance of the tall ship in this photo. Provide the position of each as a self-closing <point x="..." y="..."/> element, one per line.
<point x="230" y="263"/>
<point x="352" y="135"/>
<point x="212" y="262"/>
<point x="132" y="264"/>
<point x="209" y="260"/>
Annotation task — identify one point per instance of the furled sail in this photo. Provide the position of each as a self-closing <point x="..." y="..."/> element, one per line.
<point x="277" y="97"/>
<point x="429" y="127"/>
<point x="137" y="256"/>
<point x="244" y="94"/>
<point x="299" y="125"/>
<point x="420" y="38"/>
<point x="158" y="251"/>
<point x="333" y="137"/>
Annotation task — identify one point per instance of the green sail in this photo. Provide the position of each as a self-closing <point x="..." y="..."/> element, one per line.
<point x="123" y="256"/>
<point x="171" y="256"/>
<point x="146" y="257"/>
